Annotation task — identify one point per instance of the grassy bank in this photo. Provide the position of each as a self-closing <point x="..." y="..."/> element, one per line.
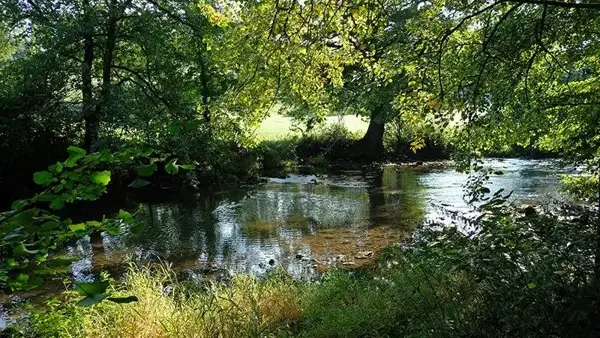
<point x="522" y="275"/>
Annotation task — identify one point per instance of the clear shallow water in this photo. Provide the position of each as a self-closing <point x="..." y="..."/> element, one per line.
<point x="303" y="223"/>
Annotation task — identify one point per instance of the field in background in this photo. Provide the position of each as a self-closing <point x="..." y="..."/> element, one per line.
<point x="278" y="126"/>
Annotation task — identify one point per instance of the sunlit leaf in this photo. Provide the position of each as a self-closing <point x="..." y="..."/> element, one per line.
<point x="101" y="177"/>
<point x="75" y="154"/>
<point x="171" y="167"/>
<point x="77" y="227"/>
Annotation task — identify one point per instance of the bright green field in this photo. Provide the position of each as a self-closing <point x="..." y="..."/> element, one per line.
<point x="278" y="126"/>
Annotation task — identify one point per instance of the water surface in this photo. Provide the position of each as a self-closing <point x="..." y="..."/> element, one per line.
<point x="304" y="224"/>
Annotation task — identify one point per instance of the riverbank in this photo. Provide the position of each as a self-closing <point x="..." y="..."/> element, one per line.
<point x="443" y="284"/>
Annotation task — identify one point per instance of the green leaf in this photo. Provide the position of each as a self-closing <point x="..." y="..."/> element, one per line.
<point x="91" y="288"/>
<point x="147" y="170"/>
<point x="138" y="228"/>
<point x="42" y="177"/>
<point x="92" y="300"/>
<point x="123" y="300"/>
<point x="56" y="168"/>
<point x="23" y="278"/>
<point x="101" y="177"/>
<point x="94" y="224"/>
<point x="57" y="203"/>
<point x="125" y="216"/>
<point x="187" y="166"/>
<point x="21" y="250"/>
<point x="18" y="204"/>
<point x="175" y="128"/>
<point x="50" y="225"/>
<point x="45" y="197"/>
<point x="531" y="285"/>
<point x="77" y="227"/>
<point x="138" y="183"/>
<point x="25" y="217"/>
<point x="171" y="167"/>
<point x="75" y="154"/>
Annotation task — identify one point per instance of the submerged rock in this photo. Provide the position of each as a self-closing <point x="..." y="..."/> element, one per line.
<point x="364" y="255"/>
<point x="529" y="211"/>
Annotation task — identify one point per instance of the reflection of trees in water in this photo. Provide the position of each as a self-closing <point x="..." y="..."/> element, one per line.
<point x="239" y="232"/>
<point x="397" y="198"/>
<point x="306" y="207"/>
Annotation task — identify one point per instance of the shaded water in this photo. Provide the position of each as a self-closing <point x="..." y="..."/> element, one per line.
<point x="303" y="223"/>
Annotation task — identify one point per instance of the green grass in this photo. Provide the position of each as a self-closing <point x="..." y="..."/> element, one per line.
<point x="277" y="126"/>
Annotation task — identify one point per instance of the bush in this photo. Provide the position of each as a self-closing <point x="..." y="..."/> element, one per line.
<point x="332" y="141"/>
<point x="278" y="157"/>
<point x="405" y="141"/>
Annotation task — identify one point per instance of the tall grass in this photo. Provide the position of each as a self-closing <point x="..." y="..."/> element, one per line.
<point x="167" y="308"/>
<point x="244" y="307"/>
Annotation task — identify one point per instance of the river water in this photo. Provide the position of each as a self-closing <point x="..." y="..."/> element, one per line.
<point x="303" y="224"/>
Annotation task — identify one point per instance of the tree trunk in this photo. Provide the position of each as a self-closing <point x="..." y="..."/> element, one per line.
<point x="205" y="93"/>
<point x="370" y="147"/>
<point x="107" y="63"/>
<point x="90" y="119"/>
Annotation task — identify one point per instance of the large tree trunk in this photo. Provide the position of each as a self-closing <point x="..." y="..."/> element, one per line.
<point x="370" y="147"/>
<point x="90" y="119"/>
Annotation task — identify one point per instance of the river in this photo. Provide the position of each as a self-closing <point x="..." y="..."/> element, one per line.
<point x="303" y="223"/>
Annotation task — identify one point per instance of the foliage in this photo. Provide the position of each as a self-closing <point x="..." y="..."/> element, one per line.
<point x="518" y="73"/>
<point x="409" y="139"/>
<point x="32" y="235"/>
<point x="583" y="187"/>
<point x="278" y="156"/>
<point x="331" y="141"/>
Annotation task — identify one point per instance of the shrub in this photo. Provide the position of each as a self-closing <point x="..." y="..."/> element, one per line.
<point x="332" y="141"/>
<point x="276" y="157"/>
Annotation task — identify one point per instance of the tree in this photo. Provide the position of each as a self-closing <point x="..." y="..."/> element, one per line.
<point x="522" y="72"/>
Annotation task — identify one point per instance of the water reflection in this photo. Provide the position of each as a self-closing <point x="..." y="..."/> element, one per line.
<point x="303" y="223"/>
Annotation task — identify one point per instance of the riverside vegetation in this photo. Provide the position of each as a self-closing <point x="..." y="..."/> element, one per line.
<point x="164" y="94"/>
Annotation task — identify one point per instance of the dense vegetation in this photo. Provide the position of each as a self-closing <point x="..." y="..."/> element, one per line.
<point x="139" y="93"/>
